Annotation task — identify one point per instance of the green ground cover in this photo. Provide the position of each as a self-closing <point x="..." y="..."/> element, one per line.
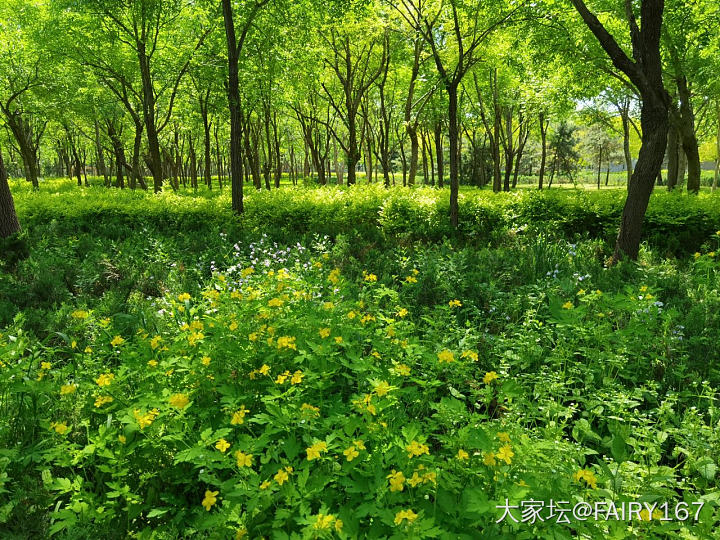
<point x="339" y="363"/>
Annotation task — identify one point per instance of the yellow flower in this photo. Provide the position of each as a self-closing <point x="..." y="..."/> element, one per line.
<point x="253" y="336"/>
<point x="328" y="306"/>
<point x="455" y="303"/>
<point x="210" y="499"/>
<point x="117" y="341"/>
<point x="402" y="313"/>
<point x="241" y="533"/>
<point x="222" y="445"/>
<point x="122" y="439"/>
<point x="313" y="452"/>
<point x="338" y="339"/>
<point x="243" y="459"/>
<point x="286" y="342"/>
<point x="397" y="480"/>
<point x="59" y="427"/>
<point x="403" y="515"/>
<point x="179" y="400"/>
<point x="503" y="436"/>
<point x="411" y="279"/>
<point x="264" y="369"/>
<point x="505" y="453"/>
<point x="568" y="305"/>
<point x="588" y="476"/>
<point x="79" y="314"/>
<point x="102" y="400"/>
<point x="462" y="455"/>
<point x="489" y="459"/>
<point x="45" y="365"/>
<point x="351" y="315"/>
<point x="247" y="271"/>
<point x="297" y="377"/>
<point x="417" y="449"/>
<point x="351" y="453"/>
<point x="88" y="350"/>
<point x="145" y="420"/>
<point x="184" y="297"/>
<point x="307" y="407"/>
<point x="323" y="521"/>
<point x="233" y="326"/>
<point x="238" y="416"/>
<point x="338" y="525"/>
<point x="446" y="356"/>
<point x="105" y="322"/>
<point x="206" y="360"/>
<point x="196" y="325"/>
<point x="334" y="276"/>
<point x="643" y="288"/>
<point x="711" y="254"/>
<point x="282" y="378"/>
<point x="73" y="344"/>
<point x="324" y="332"/>
<point x="281" y="477"/>
<point x="415" y="479"/>
<point x="581" y="292"/>
<point x="265" y="484"/>
<point x="359" y="445"/>
<point x="152" y="363"/>
<point x="382" y="388"/>
<point x="370" y="277"/>
<point x="68" y="389"/>
<point x="489" y="377"/>
<point x="402" y="369"/>
<point x="472" y="355"/>
<point x="105" y="379"/>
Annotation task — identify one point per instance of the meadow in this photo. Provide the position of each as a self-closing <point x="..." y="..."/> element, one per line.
<point x="341" y="363"/>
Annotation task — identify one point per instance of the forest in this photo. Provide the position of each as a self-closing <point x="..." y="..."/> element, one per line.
<point x="359" y="269"/>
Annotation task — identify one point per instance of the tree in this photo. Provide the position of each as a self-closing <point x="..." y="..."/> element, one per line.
<point x="645" y="72"/>
<point x="9" y="223"/>
<point x="454" y="31"/>
<point x="235" y="48"/>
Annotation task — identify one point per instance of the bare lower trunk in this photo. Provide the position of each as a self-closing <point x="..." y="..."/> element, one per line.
<point x="9" y="223"/>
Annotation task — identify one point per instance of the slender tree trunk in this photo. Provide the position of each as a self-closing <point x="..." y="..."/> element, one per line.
<point x="673" y="150"/>
<point x="9" y="223"/>
<point x="439" y="152"/>
<point x="688" y="137"/>
<point x="543" y="155"/>
<point x="625" y="118"/>
<point x="233" y="91"/>
<point x="453" y="137"/>
<point x="717" y="146"/>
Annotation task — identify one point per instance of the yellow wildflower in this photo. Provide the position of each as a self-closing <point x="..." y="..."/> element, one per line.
<point x="411" y="279"/>
<point x="238" y="416"/>
<point x="489" y="377"/>
<point x="403" y="515"/>
<point x="45" y="365"/>
<point x="505" y="453"/>
<point x="117" y="341"/>
<point x="503" y="436"/>
<point x="446" y="356"/>
<point x="152" y="363"/>
<point x="243" y="459"/>
<point x="324" y="332"/>
<point x="462" y="455"/>
<point x="67" y="389"/>
<point x="313" y="452"/>
<point x="281" y="477"/>
<point x="222" y="445"/>
<point x="402" y="313"/>
<point x="59" y="427"/>
<point x="382" y="388"/>
<point x="455" y="303"/>
<point x="397" y="480"/>
<point x="351" y="453"/>
<point x="210" y="499"/>
<point x="102" y="400"/>
<point x="184" y="297"/>
<point x="275" y="302"/>
<point x="265" y="484"/>
<point x="402" y="369"/>
<point x="568" y="305"/>
<point x="206" y="360"/>
<point x="472" y="355"/>
<point x="489" y="459"/>
<point x="79" y="314"/>
<point x="588" y="476"/>
<point x="323" y="522"/>
<point x="370" y="277"/>
<point x="179" y="400"/>
<point x="417" y="449"/>
<point x="286" y="342"/>
<point x="338" y="339"/>
<point x="122" y="439"/>
<point x="105" y="379"/>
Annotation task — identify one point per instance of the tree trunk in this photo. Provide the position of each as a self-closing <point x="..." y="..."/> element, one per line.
<point x="9" y="223"/>
<point x="625" y="117"/>
<point x="453" y="136"/>
<point x="439" y="153"/>
<point x="543" y="156"/>
<point x="688" y="137"/>
<point x="673" y="150"/>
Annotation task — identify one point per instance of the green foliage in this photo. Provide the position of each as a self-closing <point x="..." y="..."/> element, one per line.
<point x="502" y="363"/>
